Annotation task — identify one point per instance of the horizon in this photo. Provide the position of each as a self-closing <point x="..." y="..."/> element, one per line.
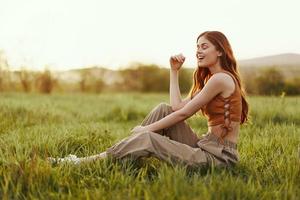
<point x="65" y="35"/>
<point x="129" y="65"/>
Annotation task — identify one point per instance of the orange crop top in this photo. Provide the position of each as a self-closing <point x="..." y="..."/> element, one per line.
<point x="222" y="110"/>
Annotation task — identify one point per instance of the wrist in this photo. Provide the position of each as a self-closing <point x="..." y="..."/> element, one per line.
<point x="147" y="128"/>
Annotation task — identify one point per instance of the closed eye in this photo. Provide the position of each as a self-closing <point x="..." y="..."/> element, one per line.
<point x="204" y="46"/>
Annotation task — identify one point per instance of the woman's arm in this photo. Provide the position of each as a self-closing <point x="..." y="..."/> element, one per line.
<point x="183" y="102"/>
<point x="215" y="85"/>
<point x="175" y="96"/>
<point x="176" y="62"/>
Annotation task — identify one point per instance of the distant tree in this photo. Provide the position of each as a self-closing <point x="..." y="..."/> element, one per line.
<point x="26" y="80"/>
<point x="152" y="78"/>
<point x="270" y="82"/>
<point x="144" y="78"/>
<point x="4" y="72"/>
<point x="249" y="78"/>
<point x="185" y="79"/>
<point x="91" y="80"/>
<point x="45" y="82"/>
<point x="292" y="87"/>
<point x="99" y="85"/>
<point x="84" y="74"/>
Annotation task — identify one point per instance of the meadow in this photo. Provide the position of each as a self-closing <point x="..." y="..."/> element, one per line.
<point x="35" y="126"/>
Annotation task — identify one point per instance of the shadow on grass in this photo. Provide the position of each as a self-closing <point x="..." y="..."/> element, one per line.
<point x="148" y="168"/>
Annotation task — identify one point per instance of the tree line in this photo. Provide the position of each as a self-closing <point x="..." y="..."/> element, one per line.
<point x="139" y="77"/>
<point x="144" y="78"/>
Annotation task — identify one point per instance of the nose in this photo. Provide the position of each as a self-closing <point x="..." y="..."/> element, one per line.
<point x="198" y="52"/>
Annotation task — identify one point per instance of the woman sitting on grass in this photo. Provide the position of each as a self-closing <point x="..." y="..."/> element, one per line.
<point x="216" y="92"/>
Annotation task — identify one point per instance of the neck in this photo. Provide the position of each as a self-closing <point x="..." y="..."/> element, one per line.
<point x="216" y="68"/>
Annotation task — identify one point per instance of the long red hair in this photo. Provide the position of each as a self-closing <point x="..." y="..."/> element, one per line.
<point x="228" y="63"/>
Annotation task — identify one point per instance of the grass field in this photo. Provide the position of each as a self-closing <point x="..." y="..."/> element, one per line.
<point x="34" y="126"/>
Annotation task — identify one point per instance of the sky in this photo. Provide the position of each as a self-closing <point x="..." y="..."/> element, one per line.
<point x="66" y="34"/>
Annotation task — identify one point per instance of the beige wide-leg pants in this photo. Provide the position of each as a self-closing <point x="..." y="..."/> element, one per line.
<point x="176" y="144"/>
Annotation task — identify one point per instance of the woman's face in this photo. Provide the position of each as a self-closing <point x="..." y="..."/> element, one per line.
<point x="207" y="55"/>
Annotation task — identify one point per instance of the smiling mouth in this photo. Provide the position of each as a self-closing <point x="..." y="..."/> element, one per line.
<point x="200" y="58"/>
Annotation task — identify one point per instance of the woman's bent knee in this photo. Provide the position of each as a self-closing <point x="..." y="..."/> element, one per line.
<point x="143" y="134"/>
<point x="165" y="107"/>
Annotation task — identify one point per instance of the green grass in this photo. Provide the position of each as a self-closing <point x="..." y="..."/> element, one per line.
<point x="34" y="126"/>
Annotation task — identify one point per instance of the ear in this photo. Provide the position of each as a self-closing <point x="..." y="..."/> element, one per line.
<point x="220" y="53"/>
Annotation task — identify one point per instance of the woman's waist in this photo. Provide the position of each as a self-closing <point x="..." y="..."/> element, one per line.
<point x="232" y="134"/>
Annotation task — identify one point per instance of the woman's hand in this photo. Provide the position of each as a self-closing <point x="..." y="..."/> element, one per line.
<point x="138" y="129"/>
<point x="176" y="61"/>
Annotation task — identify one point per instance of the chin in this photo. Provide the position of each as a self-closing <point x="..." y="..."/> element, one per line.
<point x="205" y="64"/>
<point x="202" y="65"/>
